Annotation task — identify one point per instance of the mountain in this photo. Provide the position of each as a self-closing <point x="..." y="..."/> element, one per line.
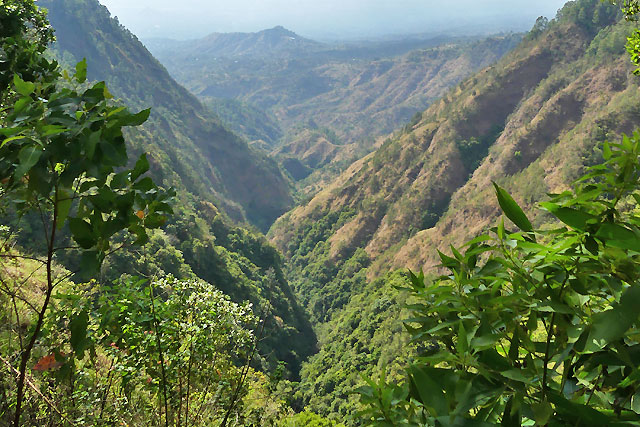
<point x="275" y="41"/>
<point x="215" y="172"/>
<point x="189" y="140"/>
<point x="532" y="123"/>
<point x="317" y="107"/>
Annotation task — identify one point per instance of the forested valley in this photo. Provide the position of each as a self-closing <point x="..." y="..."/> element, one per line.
<point x="260" y="229"/>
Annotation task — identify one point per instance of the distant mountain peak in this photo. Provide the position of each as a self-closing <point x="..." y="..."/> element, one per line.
<point x="280" y="28"/>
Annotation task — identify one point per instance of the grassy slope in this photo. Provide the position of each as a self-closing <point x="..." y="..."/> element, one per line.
<point x="532" y="122"/>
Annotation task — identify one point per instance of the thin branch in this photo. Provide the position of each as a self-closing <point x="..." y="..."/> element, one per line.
<point x="9" y="256"/>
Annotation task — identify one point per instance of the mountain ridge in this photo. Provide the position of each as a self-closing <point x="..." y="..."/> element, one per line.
<point x="273" y="41"/>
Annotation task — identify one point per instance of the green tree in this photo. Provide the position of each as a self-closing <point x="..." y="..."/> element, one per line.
<point x="533" y="326"/>
<point x="631" y="10"/>
<point x="63" y="156"/>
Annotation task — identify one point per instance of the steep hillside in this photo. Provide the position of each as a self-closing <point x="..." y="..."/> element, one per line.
<point x="207" y="159"/>
<point x="532" y="122"/>
<point x="189" y="149"/>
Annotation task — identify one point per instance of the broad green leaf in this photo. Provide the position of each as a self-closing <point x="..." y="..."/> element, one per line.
<point x="512" y="210"/>
<point x="11" y="131"/>
<point x="136" y="119"/>
<point x="106" y="93"/>
<point x="145" y="184"/>
<point x="463" y="339"/>
<point x="13" y="138"/>
<point x="612" y="325"/>
<point x="64" y="206"/>
<point x="91" y="143"/>
<point x="516" y="375"/>
<point x="81" y="71"/>
<point x="617" y="236"/>
<point x="21" y="104"/>
<point x="82" y="233"/>
<point x="572" y="217"/>
<point x="53" y="130"/>
<point x="575" y="411"/>
<point x="631" y="379"/>
<point x="635" y="403"/>
<point x="28" y="157"/>
<point x="22" y="87"/>
<point x="606" y="151"/>
<point x="90" y="262"/>
<point x="542" y="412"/>
<point x="154" y="221"/>
<point x="142" y="166"/>
<point x="429" y="392"/>
<point x="511" y="416"/>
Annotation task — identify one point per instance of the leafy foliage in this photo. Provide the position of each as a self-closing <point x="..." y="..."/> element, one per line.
<point x="24" y="36"/>
<point x="533" y="325"/>
<point x="128" y="342"/>
<point x="62" y="151"/>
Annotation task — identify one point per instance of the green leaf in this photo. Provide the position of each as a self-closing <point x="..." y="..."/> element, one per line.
<point x="11" y="131"/>
<point x="463" y="340"/>
<point x="611" y="325"/>
<point x="90" y="262"/>
<point x="575" y="411"/>
<point x="81" y="71"/>
<point x="572" y="217"/>
<point x="136" y="119"/>
<point x="142" y="166"/>
<point x="617" y="236"/>
<point x="63" y="207"/>
<point x="512" y="210"/>
<point x="542" y="412"/>
<point x="145" y="184"/>
<point x="155" y="221"/>
<point x="53" y="130"/>
<point x="511" y="416"/>
<point x="13" y="138"/>
<point x="78" y="326"/>
<point x="606" y="151"/>
<point x="28" y="157"/>
<point x="91" y="143"/>
<point x="429" y="391"/>
<point x="635" y="403"/>
<point x="21" y="104"/>
<point x="82" y="233"/>
<point x="22" y="87"/>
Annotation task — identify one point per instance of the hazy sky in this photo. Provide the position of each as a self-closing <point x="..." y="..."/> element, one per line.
<point x="325" y="18"/>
